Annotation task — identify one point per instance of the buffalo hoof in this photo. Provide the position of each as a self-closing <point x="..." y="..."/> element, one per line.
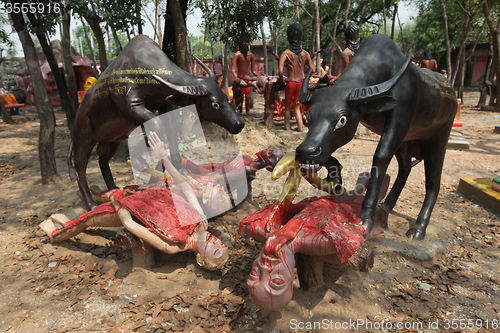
<point x="416" y="234"/>
<point x="368" y="224"/>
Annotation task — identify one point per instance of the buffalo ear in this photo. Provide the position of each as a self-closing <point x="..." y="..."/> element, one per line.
<point x="381" y="104"/>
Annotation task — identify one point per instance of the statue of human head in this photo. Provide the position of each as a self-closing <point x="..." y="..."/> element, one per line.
<point x="294" y="35"/>
<point x="211" y="253"/>
<point x="272" y="279"/>
<point x="351" y="34"/>
<point x="243" y="48"/>
<point x="427" y="55"/>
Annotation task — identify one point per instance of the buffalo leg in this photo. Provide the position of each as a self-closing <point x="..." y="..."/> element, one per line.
<point x="403" y="156"/>
<point x="388" y="145"/>
<point x="238" y="96"/>
<point x="82" y="150"/>
<point x="434" y="151"/>
<point x="106" y="151"/>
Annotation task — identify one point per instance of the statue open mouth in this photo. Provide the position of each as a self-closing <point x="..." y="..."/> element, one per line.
<point x="309" y="167"/>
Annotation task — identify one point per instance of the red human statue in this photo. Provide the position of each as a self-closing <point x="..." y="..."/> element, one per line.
<point x="428" y="62"/>
<point x="327" y="227"/>
<point x="351" y="34"/>
<point x="242" y="65"/>
<point x="294" y="59"/>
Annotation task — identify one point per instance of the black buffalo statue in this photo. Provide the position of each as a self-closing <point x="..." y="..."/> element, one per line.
<point x="411" y="108"/>
<point x="140" y="80"/>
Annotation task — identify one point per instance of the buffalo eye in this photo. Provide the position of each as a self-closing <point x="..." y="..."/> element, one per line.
<point x="216" y="105"/>
<point x="341" y="122"/>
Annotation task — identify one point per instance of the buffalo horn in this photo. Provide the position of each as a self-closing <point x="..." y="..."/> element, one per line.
<point x="305" y="97"/>
<point x="370" y="93"/>
<point x="197" y="90"/>
<point x="211" y="74"/>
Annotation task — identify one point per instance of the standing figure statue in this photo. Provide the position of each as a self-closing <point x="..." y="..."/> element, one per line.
<point x="242" y="65"/>
<point x="294" y="60"/>
<point x="351" y="34"/>
<point x="428" y="62"/>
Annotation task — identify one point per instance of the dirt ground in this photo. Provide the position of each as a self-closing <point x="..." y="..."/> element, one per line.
<point x="448" y="282"/>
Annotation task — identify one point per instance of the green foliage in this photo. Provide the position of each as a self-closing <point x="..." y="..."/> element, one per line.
<point x="428" y="30"/>
<point x="81" y="41"/>
<point x="5" y="42"/>
<point x="120" y="15"/>
<point x="233" y="22"/>
<point x="196" y="43"/>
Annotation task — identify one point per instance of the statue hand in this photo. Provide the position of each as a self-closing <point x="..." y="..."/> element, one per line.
<point x="157" y="146"/>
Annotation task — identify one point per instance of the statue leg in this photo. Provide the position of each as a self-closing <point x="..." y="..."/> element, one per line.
<point x="106" y="151"/>
<point x="433" y="151"/>
<point x="403" y="155"/>
<point x="287" y="116"/>
<point x="238" y="96"/>
<point x="298" y="117"/>
<point x="247" y="103"/>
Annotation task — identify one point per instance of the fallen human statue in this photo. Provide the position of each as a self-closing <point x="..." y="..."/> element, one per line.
<point x="169" y="218"/>
<point x="327" y="227"/>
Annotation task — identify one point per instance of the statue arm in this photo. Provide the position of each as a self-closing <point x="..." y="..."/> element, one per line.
<point x="310" y="62"/>
<point x="252" y="65"/>
<point x="234" y="66"/>
<point x="345" y="57"/>
<point x="281" y="66"/>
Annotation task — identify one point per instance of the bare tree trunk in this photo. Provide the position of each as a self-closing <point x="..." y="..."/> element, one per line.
<point x="72" y="85"/>
<point x="158" y="22"/>
<point x="42" y="101"/>
<point x="394" y="20"/>
<point x="264" y="46"/>
<point x="385" y="18"/>
<point x="116" y="39"/>
<point x="7" y="118"/>
<point x="226" y="63"/>
<point x="461" y="52"/>
<point x="92" y="55"/>
<point x="334" y="43"/>
<point x="181" y="40"/>
<point x="274" y="41"/>
<point x="347" y="10"/>
<point x="138" y="15"/>
<point x="96" y="29"/>
<point x="447" y="38"/>
<point x="62" y="88"/>
<point x="317" y="36"/>
<point x="495" y="39"/>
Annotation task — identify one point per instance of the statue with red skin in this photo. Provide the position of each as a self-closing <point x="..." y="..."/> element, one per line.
<point x="242" y="65"/>
<point x="327" y="227"/>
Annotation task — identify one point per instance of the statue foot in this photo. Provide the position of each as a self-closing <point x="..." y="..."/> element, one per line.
<point x="49" y="227"/>
<point x="375" y="232"/>
<point x="415" y="233"/>
<point x="60" y="218"/>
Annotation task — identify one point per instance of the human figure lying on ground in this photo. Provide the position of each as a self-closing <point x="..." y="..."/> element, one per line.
<point x="242" y="65"/>
<point x="428" y="62"/>
<point x="294" y="59"/>
<point x="327" y="227"/>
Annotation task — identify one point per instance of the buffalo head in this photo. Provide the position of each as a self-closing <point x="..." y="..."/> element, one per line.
<point x="335" y="113"/>
<point x="211" y="102"/>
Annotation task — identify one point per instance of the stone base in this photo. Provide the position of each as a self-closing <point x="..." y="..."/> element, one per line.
<point x="457" y="141"/>
<point x="479" y="190"/>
